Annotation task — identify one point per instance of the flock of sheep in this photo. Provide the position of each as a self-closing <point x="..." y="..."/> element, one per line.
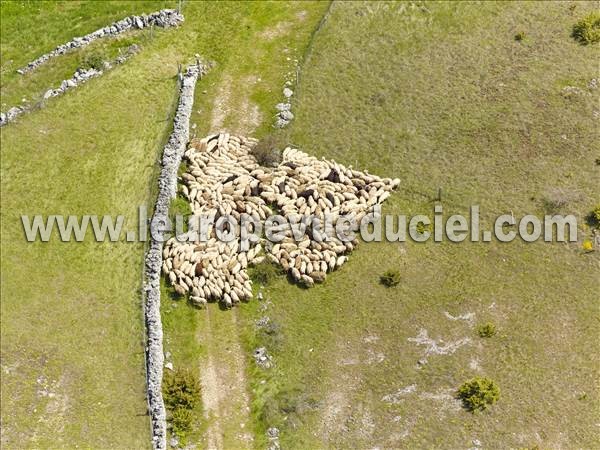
<point x="223" y="177"/>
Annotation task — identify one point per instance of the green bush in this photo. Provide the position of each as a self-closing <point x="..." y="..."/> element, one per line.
<point x="182" y="420"/>
<point x="479" y="393"/>
<point x="486" y="330"/>
<point x="268" y="151"/>
<point x="390" y="278"/>
<point x="520" y="36"/>
<point x="181" y="389"/>
<point x="265" y="272"/>
<point x="593" y="218"/>
<point x="587" y="30"/>
<point x="91" y="60"/>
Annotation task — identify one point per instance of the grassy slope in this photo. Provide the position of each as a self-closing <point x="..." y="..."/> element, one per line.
<point x="445" y="97"/>
<point x="71" y="312"/>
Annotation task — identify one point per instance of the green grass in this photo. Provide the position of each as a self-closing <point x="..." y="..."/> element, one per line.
<point x="72" y="312"/>
<point x="437" y="94"/>
<point x="441" y="95"/>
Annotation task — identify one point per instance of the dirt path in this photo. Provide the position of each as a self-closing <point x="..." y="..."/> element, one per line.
<point x="222" y="370"/>
<point x="224" y="386"/>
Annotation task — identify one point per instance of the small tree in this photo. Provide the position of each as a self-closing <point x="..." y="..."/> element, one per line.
<point x="479" y="393"/>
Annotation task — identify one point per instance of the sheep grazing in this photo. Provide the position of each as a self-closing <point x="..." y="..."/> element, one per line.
<point x="224" y="178"/>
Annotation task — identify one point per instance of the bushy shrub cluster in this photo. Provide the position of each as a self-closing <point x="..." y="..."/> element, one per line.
<point x="265" y="272"/>
<point x="479" y="393"/>
<point x="593" y="218"/>
<point x="181" y="391"/>
<point x="587" y="30"/>
<point x="390" y="278"/>
<point x="486" y="330"/>
<point x="92" y="60"/>
<point x="268" y="151"/>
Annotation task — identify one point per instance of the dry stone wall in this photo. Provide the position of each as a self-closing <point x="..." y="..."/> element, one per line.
<point x="80" y="76"/>
<point x="172" y="154"/>
<point x="164" y="18"/>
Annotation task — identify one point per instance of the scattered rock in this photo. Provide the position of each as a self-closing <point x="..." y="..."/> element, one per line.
<point x="468" y="317"/>
<point x="434" y="347"/>
<point x="80" y="76"/>
<point x="398" y="396"/>
<point x="263" y="321"/>
<point x="169" y="366"/>
<point x="273" y="433"/>
<point x="287" y="92"/>
<point x="262" y="358"/>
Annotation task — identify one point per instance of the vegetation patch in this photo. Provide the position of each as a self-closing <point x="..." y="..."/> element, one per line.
<point x="390" y="278"/>
<point x="92" y="60"/>
<point x="479" y="393"/>
<point x="181" y="391"/>
<point x="268" y="151"/>
<point x="593" y="218"/>
<point x="486" y="330"/>
<point x="587" y="30"/>
<point x="265" y="272"/>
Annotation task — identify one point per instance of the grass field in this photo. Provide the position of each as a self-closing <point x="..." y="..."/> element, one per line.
<point x="442" y="95"/>
<point x="72" y="332"/>
<point x="438" y="94"/>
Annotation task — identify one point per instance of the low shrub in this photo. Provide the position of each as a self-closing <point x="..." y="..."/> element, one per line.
<point x="390" y="278"/>
<point x="422" y="228"/>
<point x="92" y="60"/>
<point x="268" y="151"/>
<point x="587" y="30"/>
<point x="588" y="246"/>
<point x="486" y="330"/>
<point x="265" y="272"/>
<point x="593" y="218"/>
<point x="182" y="420"/>
<point x="520" y="36"/>
<point x="181" y="389"/>
<point x="479" y="393"/>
